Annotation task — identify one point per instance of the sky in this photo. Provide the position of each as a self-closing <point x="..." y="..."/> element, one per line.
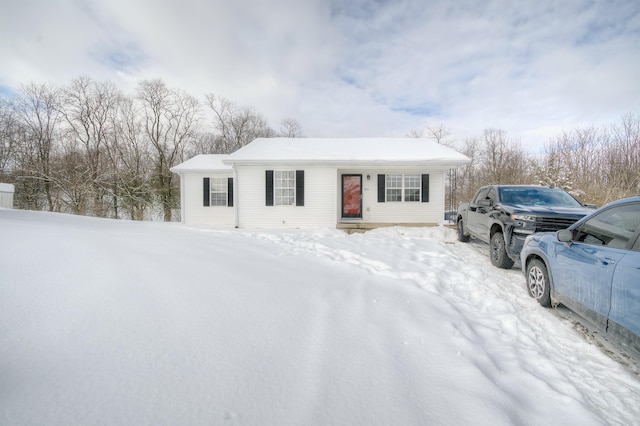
<point x="150" y="323"/>
<point x="350" y="68"/>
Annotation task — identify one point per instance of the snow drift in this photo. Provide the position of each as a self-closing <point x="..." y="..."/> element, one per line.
<point x="117" y="322"/>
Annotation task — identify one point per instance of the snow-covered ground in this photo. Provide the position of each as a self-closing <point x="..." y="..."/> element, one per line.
<point x="116" y="322"/>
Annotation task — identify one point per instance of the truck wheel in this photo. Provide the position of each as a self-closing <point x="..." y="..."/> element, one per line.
<point x="498" y="253"/>
<point x="538" y="283"/>
<point x="460" y="229"/>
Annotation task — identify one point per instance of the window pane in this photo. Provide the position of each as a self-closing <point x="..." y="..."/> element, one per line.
<point x="394" y="194"/>
<point x="218" y="199"/>
<point x="412" y="181"/>
<point x="412" y="195"/>
<point x="394" y="181"/>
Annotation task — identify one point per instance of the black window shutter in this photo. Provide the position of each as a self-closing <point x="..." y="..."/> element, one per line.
<point x="269" y="188"/>
<point x="230" y="192"/>
<point x="299" y="187"/>
<point x="381" y="188"/>
<point x="206" y="193"/>
<point x="425" y="188"/>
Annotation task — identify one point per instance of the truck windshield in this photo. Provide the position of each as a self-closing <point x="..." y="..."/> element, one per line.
<point x="552" y="197"/>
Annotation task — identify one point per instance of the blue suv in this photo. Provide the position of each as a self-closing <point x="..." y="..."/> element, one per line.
<point x="593" y="268"/>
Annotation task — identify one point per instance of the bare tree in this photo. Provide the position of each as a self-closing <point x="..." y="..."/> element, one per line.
<point x="290" y="128"/>
<point x="623" y="157"/>
<point x="416" y="133"/>
<point x="579" y="153"/>
<point x="11" y="133"/>
<point x="550" y="171"/>
<point x="502" y="160"/>
<point x="129" y="155"/>
<point x="88" y="106"/>
<point x="170" y="118"/>
<point x="38" y="108"/>
<point x="467" y="176"/>
<point x="237" y="126"/>
<point x="439" y="134"/>
<point x="73" y="180"/>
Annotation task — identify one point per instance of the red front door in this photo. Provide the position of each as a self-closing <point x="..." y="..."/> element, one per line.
<point x="352" y="196"/>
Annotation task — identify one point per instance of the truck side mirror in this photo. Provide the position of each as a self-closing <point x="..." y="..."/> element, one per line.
<point x="484" y="203"/>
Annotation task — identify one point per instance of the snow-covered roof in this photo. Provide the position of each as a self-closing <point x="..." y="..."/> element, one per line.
<point x="357" y="151"/>
<point x="7" y="187"/>
<point x="203" y="163"/>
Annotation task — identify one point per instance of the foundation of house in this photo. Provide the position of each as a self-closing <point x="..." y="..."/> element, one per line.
<point x="353" y="227"/>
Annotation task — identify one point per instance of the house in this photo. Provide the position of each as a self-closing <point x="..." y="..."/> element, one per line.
<point x="206" y="191"/>
<point x="314" y="182"/>
<point x="6" y="195"/>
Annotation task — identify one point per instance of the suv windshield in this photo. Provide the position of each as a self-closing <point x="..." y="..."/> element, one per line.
<point x="552" y="197"/>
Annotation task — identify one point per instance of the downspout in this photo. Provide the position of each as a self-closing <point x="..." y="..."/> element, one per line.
<point x="236" y="198"/>
<point x="183" y="212"/>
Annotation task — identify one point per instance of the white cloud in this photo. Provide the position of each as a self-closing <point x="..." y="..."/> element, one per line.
<point x="351" y="68"/>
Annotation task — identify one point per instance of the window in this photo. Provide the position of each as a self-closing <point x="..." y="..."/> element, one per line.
<point x="613" y="227"/>
<point x="218" y="191"/>
<point x="483" y="194"/>
<point x="284" y="185"/>
<point x="493" y="196"/>
<point x="394" y="187"/>
<point x="403" y="188"/>
<point x="284" y="188"/>
<point x="540" y="196"/>
<point x="412" y="188"/>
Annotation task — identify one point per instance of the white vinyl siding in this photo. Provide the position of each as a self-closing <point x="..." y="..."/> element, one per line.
<point x="322" y="204"/>
<point x="320" y="189"/>
<point x="400" y="212"/>
<point x="6" y="195"/>
<point x="193" y="212"/>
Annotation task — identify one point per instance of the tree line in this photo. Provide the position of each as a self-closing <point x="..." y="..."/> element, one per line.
<point x="596" y="164"/>
<point x="87" y="148"/>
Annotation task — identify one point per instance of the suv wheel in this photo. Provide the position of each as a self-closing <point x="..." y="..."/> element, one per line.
<point x="538" y="282"/>
<point x="498" y="252"/>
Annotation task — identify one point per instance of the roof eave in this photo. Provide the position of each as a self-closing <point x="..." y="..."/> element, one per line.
<point x="350" y="163"/>
<point x="199" y="170"/>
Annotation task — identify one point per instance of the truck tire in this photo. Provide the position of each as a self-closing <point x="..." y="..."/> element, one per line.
<point x="498" y="252"/>
<point x="460" y="229"/>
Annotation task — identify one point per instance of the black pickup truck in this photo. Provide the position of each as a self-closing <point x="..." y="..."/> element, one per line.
<point x="504" y="215"/>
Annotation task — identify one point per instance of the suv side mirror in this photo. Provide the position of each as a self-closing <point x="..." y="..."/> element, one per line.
<point x="564" y="236"/>
<point x="484" y="203"/>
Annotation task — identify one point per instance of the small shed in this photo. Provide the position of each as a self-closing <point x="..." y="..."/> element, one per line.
<point x="206" y="190"/>
<point x="6" y="195"/>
